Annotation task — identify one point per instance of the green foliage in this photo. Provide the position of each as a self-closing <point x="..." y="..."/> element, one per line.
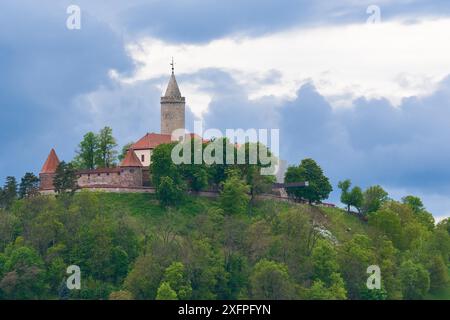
<point x="106" y="155"/>
<point x="176" y="277"/>
<point x="270" y="280"/>
<point x="374" y="197"/>
<point x="415" y="280"/>
<point x="87" y="152"/>
<point x="129" y="247"/>
<point x="336" y="291"/>
<point x="319" y="186"/>
<point x="165" y="292"/>
<point x="29" y="185"/>
<point x="234" y="197"/>
<point x="169" y="193"/>
<point x="8" y="193"/>
<point x="65" y="179"/>
<point x="353" y="197"/>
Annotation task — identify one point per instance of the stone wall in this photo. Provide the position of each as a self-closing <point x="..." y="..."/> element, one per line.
<point x="121" y="177"/>
<point x="172" y="114"/>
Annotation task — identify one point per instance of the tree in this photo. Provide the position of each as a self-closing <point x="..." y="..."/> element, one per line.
<point x="125" y="149"/>
<point x="234" y="197"/>
<point x="168" y="192"/>
<point x="65" y="179"/>
<point x="324" y="260"/>
<point x="165" y="292"/>
<point x="345" y="193"/>
<point x="106" y="154"/>
<point x="270" y="280"/>
<point x="29" y="186"/>
<point x="88" y="150"/>
<point x="414" y="202"/>
<point x="320" y="291"/>
<point x="354" y="258"/>
<point x="439" y="278"/>
<point x="415" y="280"/>
<point x="374" y="197"/>
<point x="353" y="197"/>
<point x="319" y="186"/>
<point x="388" y="223"/>
<point x="9" y="192"/>
<point x="24" y="274"/>
<point x="176" y="277"/>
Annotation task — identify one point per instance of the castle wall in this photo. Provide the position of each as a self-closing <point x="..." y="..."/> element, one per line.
<point x="123" y="177"/>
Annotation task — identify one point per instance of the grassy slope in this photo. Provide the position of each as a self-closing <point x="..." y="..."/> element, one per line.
<point x="342" y="225"/>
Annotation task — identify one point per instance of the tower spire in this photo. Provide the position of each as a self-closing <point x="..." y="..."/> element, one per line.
<point x="173" y="66"/>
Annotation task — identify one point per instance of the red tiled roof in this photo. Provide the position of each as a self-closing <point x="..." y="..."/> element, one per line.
<point x="151" y="141"/>
<point x="131" y="160"/>
<point x="51" y="163"/>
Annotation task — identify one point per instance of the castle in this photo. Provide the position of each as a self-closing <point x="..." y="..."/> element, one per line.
<point x="133" y="171"/>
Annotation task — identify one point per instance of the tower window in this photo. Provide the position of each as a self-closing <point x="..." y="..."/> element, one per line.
<point x="142" y="158"/>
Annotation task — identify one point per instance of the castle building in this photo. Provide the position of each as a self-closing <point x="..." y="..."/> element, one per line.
<point x="133" y="171"/>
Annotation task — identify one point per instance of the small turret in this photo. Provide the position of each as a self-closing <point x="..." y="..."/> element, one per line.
<point x="48" y="171"/>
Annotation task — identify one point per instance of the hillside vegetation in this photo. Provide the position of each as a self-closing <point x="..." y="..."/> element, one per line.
<point x="128" y="246"/>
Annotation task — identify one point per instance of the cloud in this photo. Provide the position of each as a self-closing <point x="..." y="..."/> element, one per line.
<point x="391" y="60"/>
<point x="44" y="67"/>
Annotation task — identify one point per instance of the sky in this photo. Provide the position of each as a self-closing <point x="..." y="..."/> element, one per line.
<point x="368" y="101"/>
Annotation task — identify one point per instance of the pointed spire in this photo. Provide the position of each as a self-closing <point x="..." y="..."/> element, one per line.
<point x="172" y="90"/>
<point x="131" y="160"/>
<point x="51" y="163"/>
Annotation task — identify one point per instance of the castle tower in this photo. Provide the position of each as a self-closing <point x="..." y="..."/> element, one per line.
<point x="48" y="171"/>
<point x="172" y="107"/>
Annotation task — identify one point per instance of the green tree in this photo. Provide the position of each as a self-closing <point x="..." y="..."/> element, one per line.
<point x="353" y="197"/>
<point x="168" y="192"/>
<point x="324" y="260"/>
<point x="354" y="258"/>
<point x="106" y="154"/>
<point x="165" y="292"/>
<point x="439" y="278"/>
<point x="177" y="278"/>
<point x="234" y="197"/>
<point x="320" y="291"/>
<point x="65" y="179"/>
<point x="374" y="197"/>
<point x="29" y="185"/>
<point x="388" y="223"/>
<point x="414" y="202"/>
<point x="309" y="171"/>
<point x="415" y="280"/>
<point x="8" y="193"/>
<point x="270" y="280"/>
<point x="88" y="150"/>
<point x="24" y="274"/>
